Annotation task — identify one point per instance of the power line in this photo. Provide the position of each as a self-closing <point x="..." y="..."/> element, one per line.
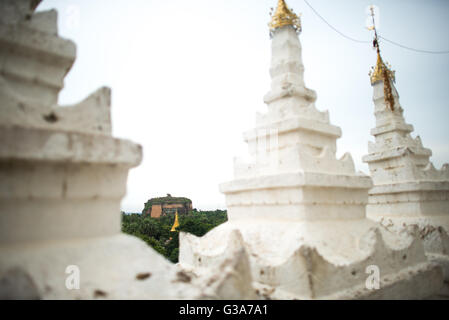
<point x="417" y="50"/>
<point x="362" y="41"/>
<point x="342" y="34"/>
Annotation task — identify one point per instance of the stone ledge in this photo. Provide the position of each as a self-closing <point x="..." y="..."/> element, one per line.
<point x="410" y="187"/>
<point x="395" y="153"/>
<point x="31" y="144"/>
<point x="49" y="45"/>
<point x="392" y="127"/>
<point x="294" y="125"/>
<point x="300" y="92"/>
<point x="297" y="179"/>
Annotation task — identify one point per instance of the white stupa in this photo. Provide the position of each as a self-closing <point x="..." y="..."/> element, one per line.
<point x="298" y="211"/>
<point x="62" y="177"/>
<point x="408" y="190"/>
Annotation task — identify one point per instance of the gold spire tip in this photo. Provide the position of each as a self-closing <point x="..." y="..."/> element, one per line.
<point x="382" y="72"/>
<point x="378" y="72"/>
<point x="283" y="16"/>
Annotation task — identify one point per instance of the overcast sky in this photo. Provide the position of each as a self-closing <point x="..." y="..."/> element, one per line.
<point x="188" y="77"/>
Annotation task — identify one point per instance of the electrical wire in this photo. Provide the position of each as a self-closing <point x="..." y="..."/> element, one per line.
<point x="413" y="49"/>
<point x="342" y="34"/>
<point x="363" y="41"/>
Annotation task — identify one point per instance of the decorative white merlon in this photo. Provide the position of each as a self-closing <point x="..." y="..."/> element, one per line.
<point x="408" y="190"/>
<point x="300" y="211"/>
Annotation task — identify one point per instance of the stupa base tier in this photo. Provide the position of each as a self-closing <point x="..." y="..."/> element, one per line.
<point x="415" y="283"/>
<point x="432" y="230"/>
<point x="55" y="200"/>
<point x="411" y="199"/>
<point x="419" y="282"/>
<point x="296" y="212"/>
<point x="408" y="209"/>
<point x="50" y="271"/>
<point x="320" y="259"/>
<point x="297" y="196"/>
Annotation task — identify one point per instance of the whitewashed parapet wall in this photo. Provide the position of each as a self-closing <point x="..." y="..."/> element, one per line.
<point x="299" y="212"/>
<point x="408" y="191"/>
<point x="62" y="177"/>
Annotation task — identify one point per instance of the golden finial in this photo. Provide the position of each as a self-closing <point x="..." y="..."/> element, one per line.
<point x="377" y="72"/>
<point x="382" y="72"/>
<point x="176" y="224"/>
<point x="283" y="16"/>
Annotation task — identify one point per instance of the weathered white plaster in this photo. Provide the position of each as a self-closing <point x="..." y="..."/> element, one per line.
<point x="299" y="212"/>
<point x="408" y="190"/>
<point x="62" y="177"/>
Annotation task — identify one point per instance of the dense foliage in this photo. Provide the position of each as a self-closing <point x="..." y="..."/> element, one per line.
<point x="156" y="231"/>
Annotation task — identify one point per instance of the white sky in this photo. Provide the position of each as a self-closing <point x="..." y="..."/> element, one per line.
<point x="188" y="77"/>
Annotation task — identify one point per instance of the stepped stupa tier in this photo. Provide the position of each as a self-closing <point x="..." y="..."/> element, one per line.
<point x="407" y="190"/>
<point x="293" y="148"/>
<point x="299" y="212"/>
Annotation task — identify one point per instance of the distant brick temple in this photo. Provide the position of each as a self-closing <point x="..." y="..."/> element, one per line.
<point x="157" y="207"/>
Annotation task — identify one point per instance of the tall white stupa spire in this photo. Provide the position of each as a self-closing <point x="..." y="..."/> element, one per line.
<point x="408" y="190"/>
<point x="299" y="212"/>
